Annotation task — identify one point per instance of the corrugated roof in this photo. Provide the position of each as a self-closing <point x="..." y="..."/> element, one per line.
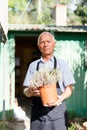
<point x="27" y="27"/>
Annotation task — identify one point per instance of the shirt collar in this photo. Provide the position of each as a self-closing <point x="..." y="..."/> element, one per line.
<point x="51" y="59"/>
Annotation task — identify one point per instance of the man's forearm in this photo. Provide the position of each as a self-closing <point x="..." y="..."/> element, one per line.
<point x="67" y="93"/>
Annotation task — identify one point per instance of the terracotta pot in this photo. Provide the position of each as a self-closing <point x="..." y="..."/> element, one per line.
<point x="85" y="125"/>
<point x="48" y="94"/>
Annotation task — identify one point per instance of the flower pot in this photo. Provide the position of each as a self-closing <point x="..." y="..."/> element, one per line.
<point x="85" y="125"/>
<point x="48" y="94"/>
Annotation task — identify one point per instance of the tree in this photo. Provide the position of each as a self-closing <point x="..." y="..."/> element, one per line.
<point x="15" y="9"/>
<point x="26" y="11"/>
<point x="81" y="11"/>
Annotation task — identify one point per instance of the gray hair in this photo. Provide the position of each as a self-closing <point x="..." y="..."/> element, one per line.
<point x="48" y="33"/>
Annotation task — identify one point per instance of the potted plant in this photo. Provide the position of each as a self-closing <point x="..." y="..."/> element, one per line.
<point x="45" y="80"/>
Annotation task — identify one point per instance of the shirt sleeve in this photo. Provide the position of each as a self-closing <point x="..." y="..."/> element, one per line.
<point x="29" y="75"/>
<point x="68" y="78"/>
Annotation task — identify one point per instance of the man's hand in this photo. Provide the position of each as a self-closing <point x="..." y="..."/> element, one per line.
<point x="31" y="91"/>
<point x="57" y="103"/>
<point x="34" y="91"/>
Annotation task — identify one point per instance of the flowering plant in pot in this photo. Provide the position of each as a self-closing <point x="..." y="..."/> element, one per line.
<point x="45" y="80"/>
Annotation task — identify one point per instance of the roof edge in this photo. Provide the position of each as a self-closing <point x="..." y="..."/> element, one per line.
<point x="36" y="27"/>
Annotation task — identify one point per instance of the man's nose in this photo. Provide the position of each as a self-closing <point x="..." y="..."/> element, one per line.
<point x="45" y="43"/>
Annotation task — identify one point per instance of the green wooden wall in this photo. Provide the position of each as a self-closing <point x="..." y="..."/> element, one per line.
<point x="7" y="75"/>
<point x="71" y="47"/>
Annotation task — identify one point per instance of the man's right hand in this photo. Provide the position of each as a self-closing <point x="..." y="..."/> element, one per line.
<point x="31" y="91"/>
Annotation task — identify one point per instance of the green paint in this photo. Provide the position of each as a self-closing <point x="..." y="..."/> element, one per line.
<point x="72" y="50"/>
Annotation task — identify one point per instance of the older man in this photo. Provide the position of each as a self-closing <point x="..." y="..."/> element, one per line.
<point x="53" y="116"/>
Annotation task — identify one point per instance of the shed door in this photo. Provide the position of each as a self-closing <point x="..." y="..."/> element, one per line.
<point x="26" y="51"/>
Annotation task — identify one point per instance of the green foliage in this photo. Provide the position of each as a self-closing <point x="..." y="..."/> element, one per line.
<point x="71" y="114"/>
<point x="81" y="11"/>
<point x="73" y="127"/>
<point x="18" y="13"/>
<point x="10" y="115"/>
<point x="17" y="6"/>
<point x="28" y="13"/>
<point x="73" y="19"/>
<point x="76" y="125"/>
<point x="3" y="126"/>
<point x="64" y="1"/>
<point x="15" y="9"/>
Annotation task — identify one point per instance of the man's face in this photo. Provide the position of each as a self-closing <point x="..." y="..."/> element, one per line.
<point x="46" y="44"/>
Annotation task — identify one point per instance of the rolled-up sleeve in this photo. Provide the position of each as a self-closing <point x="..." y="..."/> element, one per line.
<point x="67" y="76"/>
<point x="29" y="75"/>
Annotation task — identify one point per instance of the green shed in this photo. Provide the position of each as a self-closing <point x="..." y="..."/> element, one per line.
<point x="21" y="49"/>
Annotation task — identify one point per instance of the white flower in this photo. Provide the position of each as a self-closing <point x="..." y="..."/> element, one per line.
<point x="45" y="77"/>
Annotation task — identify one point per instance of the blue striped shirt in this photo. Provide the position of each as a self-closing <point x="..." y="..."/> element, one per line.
<point x="67" y="77"/>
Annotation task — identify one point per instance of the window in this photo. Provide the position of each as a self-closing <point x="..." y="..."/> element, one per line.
<point x="17" y="67"/>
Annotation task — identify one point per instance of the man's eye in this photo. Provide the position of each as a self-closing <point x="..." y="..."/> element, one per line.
<point x="48" y="41"/>
<point x="41" y="42"/>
